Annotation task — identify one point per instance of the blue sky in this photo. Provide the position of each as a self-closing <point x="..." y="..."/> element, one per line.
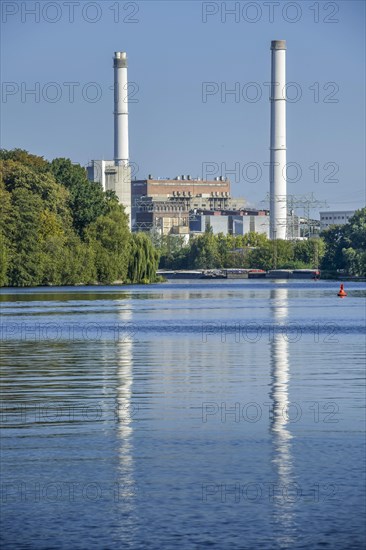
<point x="174" y="48"/>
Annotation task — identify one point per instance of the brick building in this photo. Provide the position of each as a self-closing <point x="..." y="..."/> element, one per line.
<point x="167" y="204"/>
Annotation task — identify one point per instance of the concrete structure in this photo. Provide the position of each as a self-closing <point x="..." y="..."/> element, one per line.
<point x="337" y="217"/>
<point x="96" y="171"/>
<point x="218" y="223"/>
<point x="164" y="217"/>
<point x="121" y="155"/>
<point x="113" y="178"/>
<point x="277" y="168"/>
<point x="116" y="175"/>
<point x="235" y="222"/>
<point x="249" y="223"/>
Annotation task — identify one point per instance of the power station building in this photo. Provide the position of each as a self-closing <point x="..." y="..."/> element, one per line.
<point x="185" y="205"/>
<point x="169" y="204"/>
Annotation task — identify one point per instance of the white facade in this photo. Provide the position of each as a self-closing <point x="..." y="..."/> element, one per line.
<point x="113" y="178"/>
<point x="219" y="224"/>
<point x="337" y="217"/>
<point x="230" y="224"/>
<point x="248" y="224"/>
<point x="96" y="170"/>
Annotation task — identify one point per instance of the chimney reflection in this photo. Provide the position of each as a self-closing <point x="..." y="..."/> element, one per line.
<point x="280" y="379"/>
<point x="125" y="487"/>
<point x="283" y="497"/>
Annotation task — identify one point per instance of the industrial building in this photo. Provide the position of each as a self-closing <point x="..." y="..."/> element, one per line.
<point x="180" y="221"/>
<point x="168" y="204"/>
<point x="158" y="213"/>
<point x="185" y="205"/>
<point x="181" y="186"/>
<point x="337" y="217"/>
<point x="234" y="222"/>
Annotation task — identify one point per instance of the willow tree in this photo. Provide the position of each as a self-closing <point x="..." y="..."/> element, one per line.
<point x="144" y="259"/>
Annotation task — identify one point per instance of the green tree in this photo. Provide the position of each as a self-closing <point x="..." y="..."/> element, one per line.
<point x="87" y="200"/>
<point x="3" y="260"/>
<point x="345" y="246"/>
<point x="204" y="252"/>
<point x="262" y="257"/>
<point x="51" y="239"/>
<point x="56" y="227"/>
<point x="110" y="238"/>
<point x="20" y="156"/>
<point x="309" y="253"/>
<point x="144" y="259"/>
<point x="172" y="250"/>
<point x="78" y="266"/>
<point x="5" y="225"/>
<point x="253" y="239"/>
<point x="25" y="265"/>
<point x="335" y="242"/>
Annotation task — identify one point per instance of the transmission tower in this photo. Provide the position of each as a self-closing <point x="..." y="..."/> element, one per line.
<point x="306" y="203"/>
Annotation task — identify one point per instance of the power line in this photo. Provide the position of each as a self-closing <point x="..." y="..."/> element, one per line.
<point x="305" y="202"/>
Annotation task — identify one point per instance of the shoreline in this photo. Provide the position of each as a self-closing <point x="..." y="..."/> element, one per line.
<point x="96" y="286"/>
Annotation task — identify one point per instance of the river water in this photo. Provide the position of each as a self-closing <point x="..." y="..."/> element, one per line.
<point x="225" y="414"/>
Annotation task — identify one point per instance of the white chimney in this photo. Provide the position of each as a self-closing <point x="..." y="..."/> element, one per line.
<point x="278" y="208"/>
<point x="121" y="155"/>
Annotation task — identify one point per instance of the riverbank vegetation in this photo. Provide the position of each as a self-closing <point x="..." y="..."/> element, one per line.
<point x="208" y="251"/>
<point x="339" y="249"/>
<point x="58" y="228"/>
<point x="345" y="246"/>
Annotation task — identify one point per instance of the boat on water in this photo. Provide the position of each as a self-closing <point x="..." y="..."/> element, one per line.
<point x="293" y="274"/>
<point x="245" y="273"/>
<point x="204" y="274"/>
<point x="306" y="274"/>
<point x="256" y="274"/>
<point x="180" y="274"/>
<point x="240" y="274"/>
<point x="213" y="274"/>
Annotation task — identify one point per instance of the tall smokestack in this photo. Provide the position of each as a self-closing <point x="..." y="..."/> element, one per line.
<point x="278" y="209"/>
<point x="120" y="109"/>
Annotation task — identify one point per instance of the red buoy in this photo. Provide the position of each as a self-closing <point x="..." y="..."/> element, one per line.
<point x="342" y="293"/>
